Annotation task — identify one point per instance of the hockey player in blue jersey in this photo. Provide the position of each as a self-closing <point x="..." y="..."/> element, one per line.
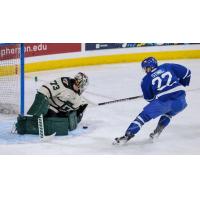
<point x="163" y="87"/>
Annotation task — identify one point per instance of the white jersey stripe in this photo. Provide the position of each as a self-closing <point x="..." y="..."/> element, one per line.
<point x="186" y="74"/>
<point x="140" y="118"/>
<point x="135" y="122"/>
<point x="176" y="89"/>
<point x="150" y="99"/>
<point x="167" y="116"/>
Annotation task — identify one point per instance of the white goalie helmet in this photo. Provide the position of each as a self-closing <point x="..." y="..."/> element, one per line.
<point x="81" y="81"/>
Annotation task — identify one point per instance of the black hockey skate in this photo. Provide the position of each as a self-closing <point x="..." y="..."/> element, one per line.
<point x="156" y="133"/>
<point x="122" y="140"/>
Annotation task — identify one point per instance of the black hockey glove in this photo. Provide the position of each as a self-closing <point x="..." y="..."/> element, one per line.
<point x="80" y="111"/>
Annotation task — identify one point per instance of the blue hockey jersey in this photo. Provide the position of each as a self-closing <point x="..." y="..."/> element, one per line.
<point x="165" y="82"/>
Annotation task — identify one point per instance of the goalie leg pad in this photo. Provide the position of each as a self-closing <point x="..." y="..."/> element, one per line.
<point x="72" y="120"/>
<point x="29" y="125"/>
<point x="60" y="125"/>
<point x="56" y="124"/>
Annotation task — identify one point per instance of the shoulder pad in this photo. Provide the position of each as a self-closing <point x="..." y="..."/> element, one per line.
<point x="66" y="81"/>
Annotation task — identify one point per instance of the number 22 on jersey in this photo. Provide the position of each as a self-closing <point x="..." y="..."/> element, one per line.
<point x="163" y="81"/>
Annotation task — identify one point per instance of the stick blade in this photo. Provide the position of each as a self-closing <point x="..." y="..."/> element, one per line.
<point x="48" y="138"/>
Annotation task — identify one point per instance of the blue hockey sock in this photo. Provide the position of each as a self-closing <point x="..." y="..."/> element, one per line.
<point x="164" y="120"/>
<point x="135" y="126"/>
<point x="133" y="129"/>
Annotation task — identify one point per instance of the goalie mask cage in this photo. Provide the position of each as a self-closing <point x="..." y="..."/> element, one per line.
<point x="12" y="78"/>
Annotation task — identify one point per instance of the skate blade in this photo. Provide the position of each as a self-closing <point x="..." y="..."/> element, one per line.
<point x="153" y="138"/>
<point x="116" y="142"/>
<point x="119" y="142"/>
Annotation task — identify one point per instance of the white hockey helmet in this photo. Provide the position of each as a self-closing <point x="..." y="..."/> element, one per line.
<point x="81" y="81"/>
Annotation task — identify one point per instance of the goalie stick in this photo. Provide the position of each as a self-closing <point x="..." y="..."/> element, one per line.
<point x="43" y="137"/>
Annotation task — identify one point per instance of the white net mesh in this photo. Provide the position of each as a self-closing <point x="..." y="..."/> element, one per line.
<point x="9" y="78"/>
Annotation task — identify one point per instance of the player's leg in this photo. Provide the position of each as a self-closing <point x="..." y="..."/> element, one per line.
<point x="177" y="106"/>
<point x="134" y="127"/>
<point x="151" y="111"/>
<point x="162" y="124"/>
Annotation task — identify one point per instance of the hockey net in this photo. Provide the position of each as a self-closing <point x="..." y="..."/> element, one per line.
<point x="10" y="78"/>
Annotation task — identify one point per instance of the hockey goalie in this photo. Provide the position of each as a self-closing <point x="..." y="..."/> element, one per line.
<point x="59" y="104"/>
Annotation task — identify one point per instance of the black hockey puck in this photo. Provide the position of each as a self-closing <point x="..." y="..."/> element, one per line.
<point x="85" y="127"/>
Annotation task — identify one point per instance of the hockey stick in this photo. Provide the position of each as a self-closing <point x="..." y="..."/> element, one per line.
<point x="132" y="98"/>
<point x="43" y="137"/>
<point x="127" y="99"/>
<point x="92" y="104"/>
<point x="119" y="100"/>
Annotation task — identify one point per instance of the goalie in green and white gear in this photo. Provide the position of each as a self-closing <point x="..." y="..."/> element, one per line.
<point x="58" y="105"/>
<point x="63" y="96"/>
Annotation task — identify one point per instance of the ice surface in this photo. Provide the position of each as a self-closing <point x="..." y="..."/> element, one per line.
<point x="110" y="82"/>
